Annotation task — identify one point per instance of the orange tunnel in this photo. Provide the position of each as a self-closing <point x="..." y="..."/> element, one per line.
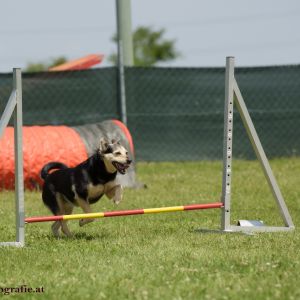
<point x="42" y="144"/>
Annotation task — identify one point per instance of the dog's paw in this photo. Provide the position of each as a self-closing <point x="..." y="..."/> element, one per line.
<point x="57" y="235"/>
<point x="85" y="221"/>
<point x="68" y="235"/>
<point x="117" y="202"/>
<point x="117" y="198"/>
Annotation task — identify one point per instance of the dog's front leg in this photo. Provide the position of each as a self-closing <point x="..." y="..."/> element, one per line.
<point x="115" y="193"/>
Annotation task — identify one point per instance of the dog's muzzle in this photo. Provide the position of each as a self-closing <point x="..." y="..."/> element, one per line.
<point x="122" y="167"/>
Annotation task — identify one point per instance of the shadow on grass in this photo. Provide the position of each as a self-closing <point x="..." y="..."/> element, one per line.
<point x="90" y="237"/>
<point x="79" y="236"/>
<point x="219" y="231"/>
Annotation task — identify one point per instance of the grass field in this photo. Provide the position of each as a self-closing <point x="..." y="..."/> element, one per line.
<point x="163" y="256"/>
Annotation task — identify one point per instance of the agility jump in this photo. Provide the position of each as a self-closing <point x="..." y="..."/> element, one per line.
<point x="232" y="96"/>
<point x="119" y="213"/>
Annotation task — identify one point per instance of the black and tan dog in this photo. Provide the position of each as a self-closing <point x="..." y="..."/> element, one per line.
<point x="84" y="184"/>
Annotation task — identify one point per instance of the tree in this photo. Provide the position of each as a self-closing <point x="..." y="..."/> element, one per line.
<point x="44" y="66"/>
<point x="150" y="47"/>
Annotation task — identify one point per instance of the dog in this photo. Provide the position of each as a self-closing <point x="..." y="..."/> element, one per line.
<point x="84" y="184"/>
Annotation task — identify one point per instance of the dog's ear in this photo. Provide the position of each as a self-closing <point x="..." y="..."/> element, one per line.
<point x="114" y="141"/>
<point x="104" y="144"/>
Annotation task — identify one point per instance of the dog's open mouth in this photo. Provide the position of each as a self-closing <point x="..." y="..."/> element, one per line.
<point x="120" y="167"/>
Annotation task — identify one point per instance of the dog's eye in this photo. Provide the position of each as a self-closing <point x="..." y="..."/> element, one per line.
<point x="109" y="150"/>
<point x="118" y="153"/>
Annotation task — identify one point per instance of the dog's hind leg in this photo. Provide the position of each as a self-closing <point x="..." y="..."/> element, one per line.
<point x="66" y="209"/>
<point x="55" y="228"/>
<point x="50" y="200"/>
<point x="87" y="209"/>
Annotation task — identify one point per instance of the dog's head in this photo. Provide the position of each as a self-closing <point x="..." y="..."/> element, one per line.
<point x="114" y="155"/>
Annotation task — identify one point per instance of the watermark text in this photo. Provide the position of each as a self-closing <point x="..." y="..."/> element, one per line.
<point x="21" y="289"/>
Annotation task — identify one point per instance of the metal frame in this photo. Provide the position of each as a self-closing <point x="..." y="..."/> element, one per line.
<point x="14" y="108"/>
<point x="120" y="9"/>
<point x="233" y="95"/>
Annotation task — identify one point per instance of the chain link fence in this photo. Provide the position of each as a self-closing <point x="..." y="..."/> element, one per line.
<point x="173" y="113"/>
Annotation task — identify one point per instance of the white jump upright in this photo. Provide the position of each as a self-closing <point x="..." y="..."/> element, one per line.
<point x="234" y="96"/>
<point x="14" y="108"/>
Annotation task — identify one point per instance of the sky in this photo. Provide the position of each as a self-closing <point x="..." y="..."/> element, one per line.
<point x="256" y="32"/>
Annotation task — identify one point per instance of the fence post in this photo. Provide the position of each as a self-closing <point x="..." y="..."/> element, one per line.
<point x="121" y="76"/>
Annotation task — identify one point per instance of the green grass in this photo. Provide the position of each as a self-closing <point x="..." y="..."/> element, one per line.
<point x="163" y="256"/>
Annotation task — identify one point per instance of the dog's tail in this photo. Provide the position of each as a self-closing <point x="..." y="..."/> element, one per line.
<point x="51" y="166"/>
